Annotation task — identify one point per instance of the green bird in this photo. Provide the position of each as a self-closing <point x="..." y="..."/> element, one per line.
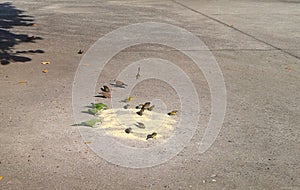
<point x="99" y="106"/>
<point x="93" y="111"/>
<point x="91" y="123"/>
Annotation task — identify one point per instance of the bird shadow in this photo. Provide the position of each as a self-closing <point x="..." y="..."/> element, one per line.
<point x="81" y="124"/>
<point x="100" y="96"/>
<point x="11" y="17"/>
<point x="88" y="112"/>
<point x="89" y="106"/>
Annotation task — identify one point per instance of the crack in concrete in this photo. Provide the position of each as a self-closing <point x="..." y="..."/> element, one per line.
<point x="236" y="29"/>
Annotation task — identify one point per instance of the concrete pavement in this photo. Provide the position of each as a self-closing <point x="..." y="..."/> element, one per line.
<point x="256" y="44"/>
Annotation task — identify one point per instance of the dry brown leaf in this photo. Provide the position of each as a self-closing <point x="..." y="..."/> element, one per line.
<point x="87" y="142"/>
<point x="22" y="81"/>
<point x="288" y="68"/>
<point x="34" y="24"/>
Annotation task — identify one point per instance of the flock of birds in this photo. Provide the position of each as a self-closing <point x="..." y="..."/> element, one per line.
<point x="106" y="93"/>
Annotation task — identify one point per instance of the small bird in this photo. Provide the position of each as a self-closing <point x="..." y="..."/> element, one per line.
<point x="140" y="113"/>
<point x="99" y="106"/>
<point x="118" y="83"/>
<point x="151" y="108"/>
<point x="137" y="76"/>
<point x="128" y="130"/>
<point x="140" y="125"/>
<point x="126" y="106"/>
<point x="139" y="106"/>
<point x="80" y="52"/>
<point x="93" y="111"/>
<point x="151" y="136"/>
<point x="90" y="123"/>
<point x="129" y="99"/>
<point x="174" y="112"/>
<point x="105" y="88"/>
<point x="146" y="105"/>
<point x="105" y="94"/>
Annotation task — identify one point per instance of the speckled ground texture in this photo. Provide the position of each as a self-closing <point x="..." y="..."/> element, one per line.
<point x="256" y="44"/>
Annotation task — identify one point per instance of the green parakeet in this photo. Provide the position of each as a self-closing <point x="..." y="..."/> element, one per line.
<point x="91" y="123"/>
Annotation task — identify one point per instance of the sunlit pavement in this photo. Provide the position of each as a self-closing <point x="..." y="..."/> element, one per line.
<point x="255" y="43"/>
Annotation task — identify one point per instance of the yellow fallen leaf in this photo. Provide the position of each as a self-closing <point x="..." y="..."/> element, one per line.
<point x="1" y="177"/>
<point x="45" y="71"/>
<point x="34" y="24"/>
<point x="87" y="142"/>
<point x="45" y="62"/>
<point x="22" y="81"/>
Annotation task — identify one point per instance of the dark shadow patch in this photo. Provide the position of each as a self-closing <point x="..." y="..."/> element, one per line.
<point x="11" y="17"/>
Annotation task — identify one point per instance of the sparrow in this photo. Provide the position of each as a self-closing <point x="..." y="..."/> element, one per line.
<point x="140" y="113"/>
<point x="105" y="88"/>
<point x="153" y="135"/>
<point x="151" y="108"/>
<point x="105" y="94"/>
<point x="129" y="99"/>
<point x="173" y="112"/>
<point x="146" y="105"/>
<point x="118" y="83"/>
<point x="140" y="125"/>
<point x="128" y="130"/>
<point x="80" y="52"/>
<point x="126" y="106"/>
<point x="139" y="106"/>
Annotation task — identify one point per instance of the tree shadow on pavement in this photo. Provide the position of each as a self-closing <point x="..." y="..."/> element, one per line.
<point x="11" y="17"/>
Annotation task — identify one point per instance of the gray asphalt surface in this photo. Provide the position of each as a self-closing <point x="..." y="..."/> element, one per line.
<point x="256" y="44"/>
